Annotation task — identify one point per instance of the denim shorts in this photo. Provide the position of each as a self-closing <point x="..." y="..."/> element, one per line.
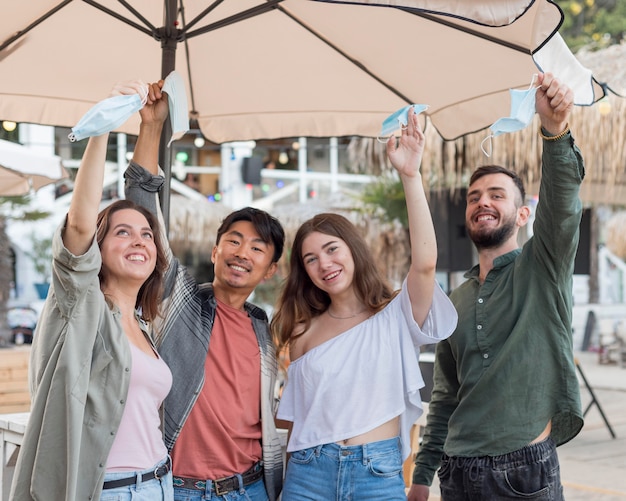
<point x="332" y="472"/>
<point x="531" y="473"/>
<point x="157" y="489"/>
<point x="253" y="492"/>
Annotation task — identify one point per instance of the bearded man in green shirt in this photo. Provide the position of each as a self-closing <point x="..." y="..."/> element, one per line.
<point x="505" y="388"/>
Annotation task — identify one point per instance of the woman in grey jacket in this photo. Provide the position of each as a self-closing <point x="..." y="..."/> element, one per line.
<point x="96" y="380"/>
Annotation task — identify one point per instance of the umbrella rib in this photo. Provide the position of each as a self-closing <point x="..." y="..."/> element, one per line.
<point x="23" y="32"/>
<point x="241" y="16"/>
<point x="206" y="11"/>
<point x="469" y="31"/>
<point x="358" y="64"/>
<point x="137" y="14"/>
<point x="151" y="31"/>
<point x="194" y="111"/>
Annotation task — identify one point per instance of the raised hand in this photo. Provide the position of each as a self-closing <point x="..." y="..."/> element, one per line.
<point x="405" y="154"/>
<point x="554" y="102"/>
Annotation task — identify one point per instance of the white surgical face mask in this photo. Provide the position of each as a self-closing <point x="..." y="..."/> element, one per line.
<point x="107" y="115"/>
<point x="398" y="120"/>
<point x="174" y="87"/>
<point x="521" y="115"/>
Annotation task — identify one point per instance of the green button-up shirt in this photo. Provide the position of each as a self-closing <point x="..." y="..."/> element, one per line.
<point x="508" y="369"/>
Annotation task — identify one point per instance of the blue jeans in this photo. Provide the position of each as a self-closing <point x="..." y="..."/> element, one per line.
<point x="332" y="472"/>
<point x="160" y="489"/>
<point x="531" y="473"/>
<point x="253" y="492"/>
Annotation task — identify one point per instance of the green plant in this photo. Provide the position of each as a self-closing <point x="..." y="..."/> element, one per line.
<point x="387" y="195"/>
<point x="41" y="254"/>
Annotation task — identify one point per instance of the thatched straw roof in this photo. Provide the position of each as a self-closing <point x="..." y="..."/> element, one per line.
<point x="193" y="225"/>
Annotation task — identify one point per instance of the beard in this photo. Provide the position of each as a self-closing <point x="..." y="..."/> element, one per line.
<point x="491" y="239"/>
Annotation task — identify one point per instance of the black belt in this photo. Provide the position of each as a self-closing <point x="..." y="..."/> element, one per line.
<point x="222" y="485"/>
<point x="159" y="472"/>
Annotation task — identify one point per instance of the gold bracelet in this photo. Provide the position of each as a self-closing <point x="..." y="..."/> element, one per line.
<point x="554" y="138"/>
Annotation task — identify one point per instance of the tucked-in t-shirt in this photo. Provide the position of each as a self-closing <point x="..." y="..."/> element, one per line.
<point x="139" y="440"/>
<point x="365" y="376"/>
<point x="222" y="435"/>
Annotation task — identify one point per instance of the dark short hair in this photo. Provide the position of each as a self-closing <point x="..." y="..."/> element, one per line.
<point x="268" y="227"/>
<point x="487" y="170"/>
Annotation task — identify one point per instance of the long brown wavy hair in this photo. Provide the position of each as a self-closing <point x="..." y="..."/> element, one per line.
<point x="300" y="300"/>
<point x="149" y="296"/>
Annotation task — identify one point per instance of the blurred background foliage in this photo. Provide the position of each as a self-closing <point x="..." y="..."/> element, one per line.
<point x="593" y="24"/>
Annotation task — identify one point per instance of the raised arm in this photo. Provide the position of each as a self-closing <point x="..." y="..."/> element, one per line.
<point x="153" y="116"/>
<point x="406" y="157"/>
<point x="83" y="212"/>
<point x="143" y="181"/>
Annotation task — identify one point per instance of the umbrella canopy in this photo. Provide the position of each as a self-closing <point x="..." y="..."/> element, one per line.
<point x="22" y="169"/>
<point x="282" y="68"/>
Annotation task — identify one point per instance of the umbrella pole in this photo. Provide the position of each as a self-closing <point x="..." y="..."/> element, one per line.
<point x="165" y="160"/>
<point x="168" y="64"/>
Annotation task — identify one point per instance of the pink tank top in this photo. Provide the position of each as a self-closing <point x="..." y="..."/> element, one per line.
<point x="139" y="441"/>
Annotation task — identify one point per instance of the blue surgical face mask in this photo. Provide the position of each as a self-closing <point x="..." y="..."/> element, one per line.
<point x="174" y="87"/>
<point x="398" y="120"/>
<point x="521" y="115"/>
<point x="107" y="115"/>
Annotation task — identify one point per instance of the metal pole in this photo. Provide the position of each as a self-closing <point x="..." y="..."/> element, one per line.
<point x="168" y="64"/>
<point x="121" y="163"/>
<point x="334" y="164"/>
<point x="302" y="168"/>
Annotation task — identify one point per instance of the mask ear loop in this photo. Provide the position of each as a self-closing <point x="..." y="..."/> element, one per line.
<point x="490" y="138"/>
<point x="384" y="139"/>
<point x="143" y="94"/>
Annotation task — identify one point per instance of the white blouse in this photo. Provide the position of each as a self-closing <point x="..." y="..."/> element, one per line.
<point x="365" y="376"/>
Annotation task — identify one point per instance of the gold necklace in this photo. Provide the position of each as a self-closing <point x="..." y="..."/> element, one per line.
<point x="344" y="318"/>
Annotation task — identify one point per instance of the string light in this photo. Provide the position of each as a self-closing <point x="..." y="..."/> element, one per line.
<point x="9" y="126"/>
<point x="604" y="106"/>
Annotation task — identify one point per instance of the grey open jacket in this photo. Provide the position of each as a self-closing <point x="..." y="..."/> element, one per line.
<point x="183" y="335"/>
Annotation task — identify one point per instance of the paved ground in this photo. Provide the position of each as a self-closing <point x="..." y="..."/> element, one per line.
<point x="593" y="464"/>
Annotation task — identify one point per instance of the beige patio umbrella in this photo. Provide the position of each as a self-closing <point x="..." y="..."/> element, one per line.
<point x="283" y="68"/>
<point x="23" y="170"/>
<point x="257" y="69"/>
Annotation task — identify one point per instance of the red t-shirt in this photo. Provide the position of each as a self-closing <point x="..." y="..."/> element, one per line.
<point x="222" y="435"/>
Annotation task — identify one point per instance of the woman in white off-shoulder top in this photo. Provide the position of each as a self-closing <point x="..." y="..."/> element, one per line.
<point x="353" y="383"/>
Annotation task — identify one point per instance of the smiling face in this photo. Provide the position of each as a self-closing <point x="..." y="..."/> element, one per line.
<point x="494" y="211"/>
<point x="128" y="249"/>
<point x="242" y="259"/>
<point x="328" y="262"/>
